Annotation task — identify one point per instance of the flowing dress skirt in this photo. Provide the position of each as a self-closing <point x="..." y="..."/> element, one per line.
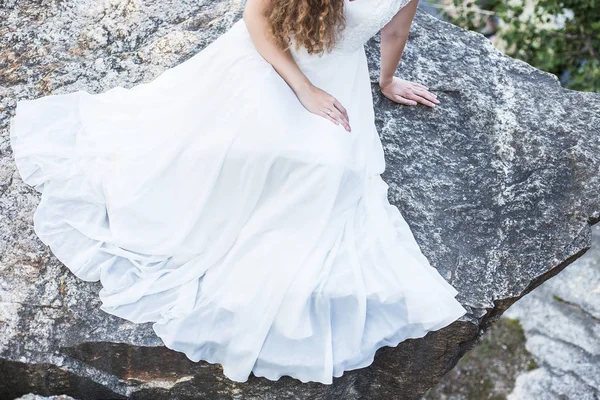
<point x="251" y="232"/>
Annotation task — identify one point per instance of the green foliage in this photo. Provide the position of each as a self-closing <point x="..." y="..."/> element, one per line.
<point x="559" y="36"/>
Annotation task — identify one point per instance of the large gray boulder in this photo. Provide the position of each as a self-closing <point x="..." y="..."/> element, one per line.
<point x="499" y="184"/>
<point x="561" y="320"/>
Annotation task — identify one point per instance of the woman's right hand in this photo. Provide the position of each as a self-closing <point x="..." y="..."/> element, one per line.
<point x="323" y="104"/>
<point x="312" y="98"/>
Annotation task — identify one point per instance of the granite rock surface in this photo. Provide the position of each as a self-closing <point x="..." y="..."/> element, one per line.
<point x="561" y="320"/>
<point x="499" y="184"/>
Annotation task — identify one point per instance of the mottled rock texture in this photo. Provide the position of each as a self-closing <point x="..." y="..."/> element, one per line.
<point x="546" y="346"/>
<point x="489" y="370"/>
<point x="561" y="320"/>
<point x="499" y="184"/>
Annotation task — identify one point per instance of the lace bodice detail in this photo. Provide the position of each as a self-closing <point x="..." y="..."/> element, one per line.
<point x="364" y="18"/>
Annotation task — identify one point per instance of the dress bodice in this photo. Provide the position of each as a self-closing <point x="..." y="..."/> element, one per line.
<point x="364" y="18"/>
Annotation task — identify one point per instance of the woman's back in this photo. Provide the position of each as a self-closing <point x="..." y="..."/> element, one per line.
<point x="364" y="18"/>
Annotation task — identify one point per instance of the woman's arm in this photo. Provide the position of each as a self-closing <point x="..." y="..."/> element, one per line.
<point x="393" y="41"/>
<point x="312" y="98"/>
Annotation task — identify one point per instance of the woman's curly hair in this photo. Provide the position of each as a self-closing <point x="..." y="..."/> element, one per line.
<point x="314" y="24"/>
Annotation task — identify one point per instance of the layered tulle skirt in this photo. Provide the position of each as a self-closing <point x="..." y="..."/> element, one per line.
<point x="251" y="232"/>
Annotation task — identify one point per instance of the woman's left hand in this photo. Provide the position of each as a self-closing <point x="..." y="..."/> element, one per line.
<point x="407" y="92"/>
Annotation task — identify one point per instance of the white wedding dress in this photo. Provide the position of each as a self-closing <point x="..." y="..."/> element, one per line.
<point x="251" y="232"/>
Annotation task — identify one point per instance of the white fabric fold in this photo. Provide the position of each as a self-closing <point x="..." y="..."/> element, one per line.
<point x="251" y="232"/>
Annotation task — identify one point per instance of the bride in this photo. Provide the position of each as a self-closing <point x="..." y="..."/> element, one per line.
<point x="236" y="201"/>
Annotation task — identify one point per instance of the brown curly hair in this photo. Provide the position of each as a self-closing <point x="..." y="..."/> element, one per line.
<point x="315" y="24"/>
